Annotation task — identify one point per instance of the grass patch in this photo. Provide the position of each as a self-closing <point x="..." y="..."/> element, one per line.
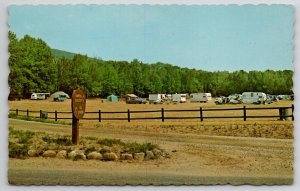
<point x="16" y="150"/>
<point x="66" y="141"/>
<point x="137" y="148"/>
<point x="25" y="118"/>
<point x="22" y="136"/>
<point x="21" y="141"/>
<point x="111" y="142"/>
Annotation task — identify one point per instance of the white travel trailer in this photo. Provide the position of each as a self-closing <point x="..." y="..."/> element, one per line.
<point x="156" y="98"/>
<point x="37" y="96"/>
<point x="200" y="97"/>
<point x="179" y="98"/>
<point x="254" y="97"/>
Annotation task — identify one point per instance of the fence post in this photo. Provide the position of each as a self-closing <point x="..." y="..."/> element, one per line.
<point x="99" y="115"/>
<point x="55" y="115"/>
<point x="162" y="114"/>
<point x="280" y="114"/>
<point x="27" y="113"/>
<point x="128" y="115"/>
<point x="40" y="114"/>
<point x="17" y="112"/>
<point x="201" y="114"/>
<point x="293" y="112"/>
<point x="245" y="115"/>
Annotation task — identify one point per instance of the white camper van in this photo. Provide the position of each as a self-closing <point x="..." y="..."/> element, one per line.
<point x="179" y="98"/>
<point x="254" y="97"/>
<point x="156" y="98"/>
<point x="200" y="97"/>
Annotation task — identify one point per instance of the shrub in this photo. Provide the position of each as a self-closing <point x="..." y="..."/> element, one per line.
<point x="23" y="136"/>
<point x="110" y="142"/>
<point x="17" y="150"/>
<point x="59" y="140"/>
<point x="136" y="148"/>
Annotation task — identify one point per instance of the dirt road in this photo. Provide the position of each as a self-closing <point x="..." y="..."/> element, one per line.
<point x="196" y="159"/>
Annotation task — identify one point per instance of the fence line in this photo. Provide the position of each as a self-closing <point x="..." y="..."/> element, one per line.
<point x="283" y="114"/>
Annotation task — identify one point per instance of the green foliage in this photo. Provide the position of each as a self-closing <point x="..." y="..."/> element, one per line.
<point x="17" y="150"/>
<point x="22" y="136"/>
<point x="66" y="141"/>
<point x="110" y="142"/>
<point x="22" y="117"/>
<point x="136" y="148"/>
<point x="62" y="54"/>
<point x="37" y="68"/>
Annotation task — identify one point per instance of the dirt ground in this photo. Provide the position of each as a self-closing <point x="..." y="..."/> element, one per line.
<point x="197" y="157"/>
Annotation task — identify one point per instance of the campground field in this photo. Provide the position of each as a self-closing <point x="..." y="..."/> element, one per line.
<point x="215" y="151"/>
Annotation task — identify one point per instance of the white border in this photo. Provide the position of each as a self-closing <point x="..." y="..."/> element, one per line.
<point x="4" y="71"/>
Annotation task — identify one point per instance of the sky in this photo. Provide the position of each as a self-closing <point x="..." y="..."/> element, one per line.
<point x="206" y="37"/>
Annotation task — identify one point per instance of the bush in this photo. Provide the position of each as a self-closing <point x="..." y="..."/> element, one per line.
<point x="137" y="148"/>
<point x="110" y="142"/>
<point x="66" y="141"/>
<point x="22" y="136"/>
<point x="17" y="150"/>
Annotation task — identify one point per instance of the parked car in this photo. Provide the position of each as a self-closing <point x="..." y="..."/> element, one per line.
<point x="137" y="100"/>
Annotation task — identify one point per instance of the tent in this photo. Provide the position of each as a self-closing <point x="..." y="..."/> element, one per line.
<point x="112" y="98"/>
<point x="59" y="94"/>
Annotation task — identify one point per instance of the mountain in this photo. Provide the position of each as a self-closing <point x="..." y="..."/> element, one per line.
<point x="60" y="53"/>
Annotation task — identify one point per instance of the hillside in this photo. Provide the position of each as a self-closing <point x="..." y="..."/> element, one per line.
<point x="62" y="54"/>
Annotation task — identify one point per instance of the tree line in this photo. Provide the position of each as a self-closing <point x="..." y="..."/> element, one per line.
<point x="34" y="68"/>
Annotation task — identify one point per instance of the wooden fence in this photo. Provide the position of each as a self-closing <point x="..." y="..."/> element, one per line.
<point x="127" y="115"/>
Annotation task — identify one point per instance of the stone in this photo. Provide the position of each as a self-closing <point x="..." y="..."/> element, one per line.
<point x="62" y="154"/>
<point x="32" y="153"/>
<point x="94" y="155"/>
<point x="77" y="154"/>
<point x="126" y="156"/>
<point x="149" y="155"/>
<point x="139" y="156"/>
<point x="157" y="152"/>
<point x="111" y="156"/>
<point x="49" y="153"/>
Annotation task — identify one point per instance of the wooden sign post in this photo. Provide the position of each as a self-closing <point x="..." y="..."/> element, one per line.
<point x="78" y="110"/>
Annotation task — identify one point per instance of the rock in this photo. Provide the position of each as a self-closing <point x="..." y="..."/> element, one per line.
<point x="49" y="153"/>
<point x="77" y="154"/>
<point x="110" y="156"/>
<point x="32" y="153"/>
<point x="62" y="154"/>
<point x="126" y="156"/>
<point x="139" y="156"/>
<point x="94" y="155"/>
<point x="149" y="155"/>
<point x="82" y="156"/>
<point x="157" y="152"/>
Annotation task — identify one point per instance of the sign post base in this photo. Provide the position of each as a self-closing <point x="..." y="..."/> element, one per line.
<point x="75" y="130"/>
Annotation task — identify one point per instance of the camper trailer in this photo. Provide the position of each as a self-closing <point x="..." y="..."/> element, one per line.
<point x="39" y="96"/>
<point x="179" y="98"/>
<point x="254" y="97"/>
<point x="156" y="98"/>
<point x="200" y="97"/>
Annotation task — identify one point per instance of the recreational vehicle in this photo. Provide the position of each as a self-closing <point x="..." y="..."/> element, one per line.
<point x="200" y="97"/>
<point x="254" y="97"/>
<point x="156" y="98"/>
<point x="39" y="96"/>
<point x="179" y="98"/>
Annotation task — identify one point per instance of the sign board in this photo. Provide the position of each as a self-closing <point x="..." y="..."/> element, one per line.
<point x="78" y="103"/>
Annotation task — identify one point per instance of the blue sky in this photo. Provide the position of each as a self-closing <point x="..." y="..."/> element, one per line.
<point x="248" y="37"/>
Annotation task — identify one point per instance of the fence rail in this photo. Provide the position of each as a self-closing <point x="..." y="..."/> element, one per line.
<point x="282" y="114"/>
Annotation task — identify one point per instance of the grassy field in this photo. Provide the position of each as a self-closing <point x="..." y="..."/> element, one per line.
<point x="209" y="152"/>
